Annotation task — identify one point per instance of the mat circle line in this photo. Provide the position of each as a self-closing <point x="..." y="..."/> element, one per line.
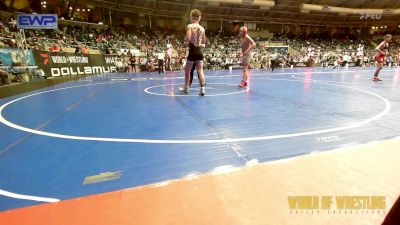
<point x="147" y="90"/>
<point x="3" y="120"/>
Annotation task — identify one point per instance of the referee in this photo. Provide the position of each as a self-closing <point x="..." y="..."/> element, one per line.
<point x="160" y="57"/>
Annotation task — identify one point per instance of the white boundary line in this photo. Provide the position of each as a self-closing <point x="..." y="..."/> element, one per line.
<point x="254" y="162"/>
<point x="37" y="198"/>
<point x="189" y="95"/>
<point x="296" y="76"/>
<point x="44" y="199"/>
<point x="254" y="73"/>
<point x="3" y="120"/>
<point x="28" y="197"/>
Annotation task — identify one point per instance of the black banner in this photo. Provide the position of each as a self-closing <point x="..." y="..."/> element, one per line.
<point x="300" y="64"/>
<point x="110" y="60"/>
<point x="56" y="64"/>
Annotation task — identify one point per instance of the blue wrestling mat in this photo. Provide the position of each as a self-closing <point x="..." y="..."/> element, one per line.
<point x="119" y="131"/>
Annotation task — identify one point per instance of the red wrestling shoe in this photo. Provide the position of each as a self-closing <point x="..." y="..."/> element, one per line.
<point x="243" y="84"/>
<point x="376" y="79"/>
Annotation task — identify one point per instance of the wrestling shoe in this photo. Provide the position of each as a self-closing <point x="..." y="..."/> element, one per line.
<point x="376" y="79"/>
<point x="202" y="91"/>
<point x="183" y="90"/>
<point x="243" y="84"/>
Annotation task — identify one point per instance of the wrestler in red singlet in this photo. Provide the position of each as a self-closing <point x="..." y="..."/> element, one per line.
<point x="383" y="51"/>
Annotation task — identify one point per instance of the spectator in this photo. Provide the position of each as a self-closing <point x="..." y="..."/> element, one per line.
<point x="108" y="50"/>
<point x="3" y="74"/>
<point x="55" y="48"/>
<point x="133" y="63"/>
<point x="129" y="53"/>
<point x="78" y="49"/>
<point x="85" y="49"/>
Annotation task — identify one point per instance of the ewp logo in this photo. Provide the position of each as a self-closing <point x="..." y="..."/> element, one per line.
<point x="37" y="21"/>
<point x="374" y="16"/>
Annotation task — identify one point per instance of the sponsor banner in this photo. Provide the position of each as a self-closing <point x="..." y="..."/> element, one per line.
<point x="135" y="52"/>
<point x="37" y="21"/>
<point x="56" y="64"/>
<point x="13" y="56"/>
<point x="111" y="59"/>
<point x="300" y="64"/>
<point x="352" y="64"/>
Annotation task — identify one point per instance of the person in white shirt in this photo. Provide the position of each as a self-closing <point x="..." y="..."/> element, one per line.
<point x="168" y="57"/>
<point x="274" y="58"/>
<point x="160" y="57"/>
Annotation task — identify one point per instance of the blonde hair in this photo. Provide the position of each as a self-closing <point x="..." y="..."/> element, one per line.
<point x="195" y="14"/>
<point x="388" y="36"/>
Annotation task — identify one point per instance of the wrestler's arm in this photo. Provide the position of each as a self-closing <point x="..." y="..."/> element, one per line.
<point x="252" y="45"/>
<point x="379" y="48"/>
<point x="188" y="35"/>
<point x="203" y="40"/>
